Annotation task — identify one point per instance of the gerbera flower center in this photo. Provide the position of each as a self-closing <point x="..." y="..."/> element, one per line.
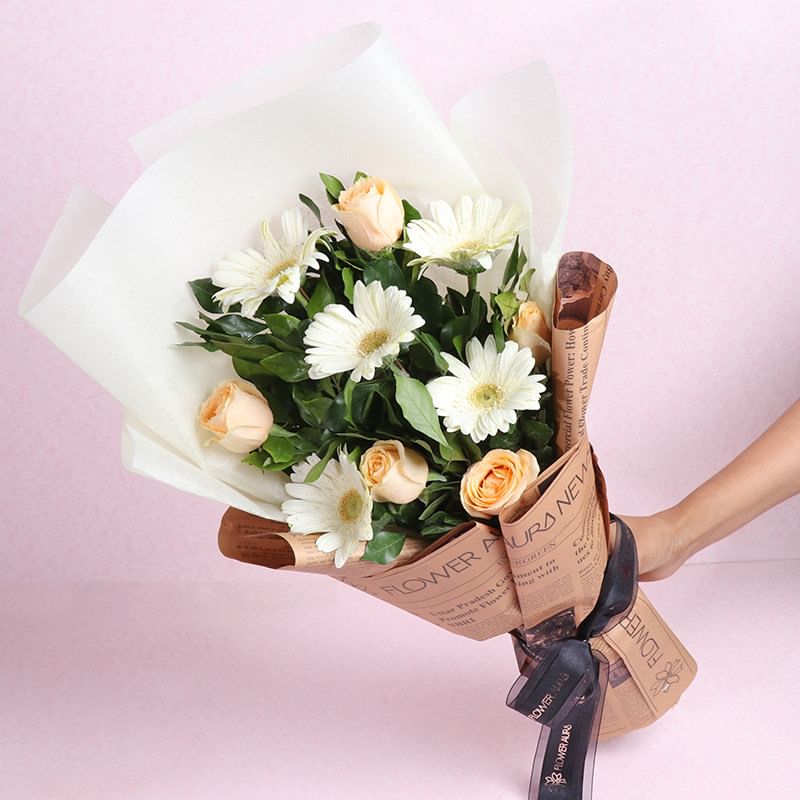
<point x="281" y="266"/>
<point x="372" y="341"/>
<point x="350" y="506"/>
<point x="486" y="396"/>
<point x="471" y="244"/>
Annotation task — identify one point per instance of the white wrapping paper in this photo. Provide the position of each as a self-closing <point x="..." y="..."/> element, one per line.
<point x="111" y="283"/>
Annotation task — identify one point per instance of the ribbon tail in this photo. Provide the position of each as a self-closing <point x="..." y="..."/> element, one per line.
<point x="563" y="766"/>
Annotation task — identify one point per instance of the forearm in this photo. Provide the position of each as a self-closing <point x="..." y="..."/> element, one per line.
<point x="763" y="475"/>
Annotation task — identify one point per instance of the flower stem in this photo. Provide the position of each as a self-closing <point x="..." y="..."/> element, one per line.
<point x="302" y="298"/>
<point x="472" y="282"/>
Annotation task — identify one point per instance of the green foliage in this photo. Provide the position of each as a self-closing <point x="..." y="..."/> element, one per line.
<point x="410" y="213"/>
<point x="323" y="295"/>
<point x="289" y="367"/>
<point x="417" y="406"/>
<point x="311" y="206"/>
<point x="385" y="270"/>
<point x="384" y="547"/>
<point x="507" y="303"/>
<point x="203" y="291"/>
<point x="333" y="187"/>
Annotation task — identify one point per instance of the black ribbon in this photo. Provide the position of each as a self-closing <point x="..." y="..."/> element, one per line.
<point x="563" y="685"/>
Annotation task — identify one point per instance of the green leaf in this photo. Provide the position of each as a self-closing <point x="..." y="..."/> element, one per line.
<point x="420" y="362"/>
<point x="359" y="175"/>
<point x="538" y="432"/>
<point x="417" y="406"/>
<point x="433" y="348"/>
<point x="284" y="326"/>
<point x="523" y="260"/>
<point x="235" y="325"/>
<point x="507" y="303"/>
<point x="440" y="523"/>
<point x="204" y="290"/>
<point x="512" y="265"/>
<point x="497" y="332"/>
<point x="349" y="387"/>
<point x="210" y="346"/>
<point x="363" y="396"/>
<point x="455" y="332"/>
<point x="336" y="416"/>
<point x="278" y="431"/>
<point x="317" y="470"/>
<point x="311" y="405"/>
<point x="410" y="213"/>
<point x="247" y="369"/>
<point x="354" y="455"/>
<point x="279" y="447"/>
<point x="248" y="352"/>
<point x="506" y="441"/>
<point x="253" y="346"/>
<point x="456" y="301"/>
<point x="452" y="451"/>
<point x="333" y="186"/>
<point x="427" y="303"/>
<point x="254" y="459"/>
<point x="477" y="312"/>
<point x="525" y="280"/>
<point x="347" y="280"/>
<point x="381" y="518"/>
<point x="384" y="547"/>
<point x="311" y="206"/>
<point x="386" y="271"/>
<point x="434" y="506"/>
<point x="323" y="295"/>
<point x="289" y="367"/>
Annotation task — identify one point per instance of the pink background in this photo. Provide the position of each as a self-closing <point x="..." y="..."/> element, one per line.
<point x="685" y="130"/>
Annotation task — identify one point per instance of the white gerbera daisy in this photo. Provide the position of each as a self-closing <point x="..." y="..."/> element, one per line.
<point x="249" y="277"/>
<point x="340" y="340"/>
<point x="337" y="504"/>
<point x="484" y="395"/>
<point x="466" y="238"/>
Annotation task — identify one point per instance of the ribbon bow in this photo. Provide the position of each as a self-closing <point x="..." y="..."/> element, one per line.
<point x="563" y="686"/>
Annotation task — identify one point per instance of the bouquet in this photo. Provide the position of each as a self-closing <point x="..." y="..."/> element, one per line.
<point x="348" y="357"/>
<point x="391" y="391"/>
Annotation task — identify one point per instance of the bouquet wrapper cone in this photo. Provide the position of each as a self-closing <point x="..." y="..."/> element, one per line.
<point x="540" y="575"/>
<point x="558" y="536"/>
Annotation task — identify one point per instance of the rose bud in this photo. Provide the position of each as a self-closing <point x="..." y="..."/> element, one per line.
<point x="238" y="416"/>
<point x="497" y="480"/>
<point x="372" y="213"/>
<point x="530" y="329"/>
<point x="394" y="473"/>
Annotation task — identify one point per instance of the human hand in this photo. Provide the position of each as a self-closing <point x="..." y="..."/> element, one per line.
<point x="660" y="545"/>
<point x="764" y="474"/>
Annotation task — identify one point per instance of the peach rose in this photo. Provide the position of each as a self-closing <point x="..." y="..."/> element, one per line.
<point x="497" y="480"/>
<point x="530" y="329"/>
<point x="394" y="473"/>
<point x="372" y="213"/>
<point x="238" y="416"/>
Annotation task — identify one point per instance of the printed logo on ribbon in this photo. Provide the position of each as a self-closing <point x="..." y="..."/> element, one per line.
<point x="554" y="780"/>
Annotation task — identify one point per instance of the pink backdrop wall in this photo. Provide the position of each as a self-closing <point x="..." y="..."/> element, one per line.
<point x="685" y="130"/>
<point x="167" y="679"/>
